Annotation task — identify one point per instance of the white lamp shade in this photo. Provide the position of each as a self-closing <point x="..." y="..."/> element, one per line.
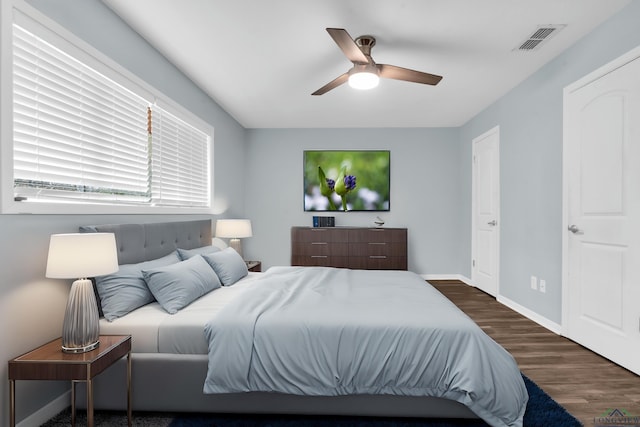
<point x="233" y="228"/>
<point x="81" y="255"/>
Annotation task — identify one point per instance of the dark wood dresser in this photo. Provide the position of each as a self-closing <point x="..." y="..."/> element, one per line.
<point x="350" y="247"/>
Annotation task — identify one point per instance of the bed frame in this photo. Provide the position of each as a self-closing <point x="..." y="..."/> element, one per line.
<point x="174" y="383"/>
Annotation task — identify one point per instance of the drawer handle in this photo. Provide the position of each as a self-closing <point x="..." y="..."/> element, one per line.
<point x="318" y="256"/>
<point x="378" y="256"/>
<point x="318" y="243"/>
<point x="318" y="229"/>
<point x="377" y="243"/>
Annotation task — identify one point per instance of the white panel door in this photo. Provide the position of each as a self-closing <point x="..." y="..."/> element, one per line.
<point x="486" y="212"/>
<point x="602" y="209"/>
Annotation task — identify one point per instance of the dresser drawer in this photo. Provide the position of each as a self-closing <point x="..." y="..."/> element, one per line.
<point x="377" y="235"/>
<point x="378" y="248"/>
<point x="302" y="234"/>
<point x="320" y="261"/>
<point x="320" y="248"/>
<point x="367" y="235"/>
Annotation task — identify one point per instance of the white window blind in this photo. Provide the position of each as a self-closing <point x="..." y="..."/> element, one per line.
<point x="79" y="136"/>
<point x="179" y="162"/>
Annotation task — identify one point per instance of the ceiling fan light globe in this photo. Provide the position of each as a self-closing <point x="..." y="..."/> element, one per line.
<point x="363" y="80"/>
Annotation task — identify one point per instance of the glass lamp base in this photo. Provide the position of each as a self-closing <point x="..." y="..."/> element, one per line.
<point x="81" y="328"/>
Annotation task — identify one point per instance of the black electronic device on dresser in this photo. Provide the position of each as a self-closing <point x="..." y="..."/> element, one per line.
<point x="350" y="247"/>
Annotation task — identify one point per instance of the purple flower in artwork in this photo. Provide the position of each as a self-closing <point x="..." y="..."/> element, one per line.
<point x="350" y="182"/>
<point x="327" y="187"/>
<point x="344" y="184"/>
<point x="331" y="184"/>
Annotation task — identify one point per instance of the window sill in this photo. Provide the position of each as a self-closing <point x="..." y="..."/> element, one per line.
<point x="43" y="208"/>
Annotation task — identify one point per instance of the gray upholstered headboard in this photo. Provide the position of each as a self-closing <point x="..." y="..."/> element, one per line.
<point x="144" y="242"/>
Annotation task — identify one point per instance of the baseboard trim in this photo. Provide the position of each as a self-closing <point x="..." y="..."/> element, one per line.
<point x="529" y="314"/>
<point x="47" y="412"/>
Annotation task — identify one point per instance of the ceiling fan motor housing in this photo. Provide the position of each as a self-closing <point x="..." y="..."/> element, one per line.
<point x="365" y="43"/>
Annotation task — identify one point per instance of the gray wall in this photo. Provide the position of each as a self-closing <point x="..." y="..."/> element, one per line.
<point x="31" y="307"/>
<point x="425" y="190"/>
<point x="530" y="119"/>
<point x="258" y="175"/>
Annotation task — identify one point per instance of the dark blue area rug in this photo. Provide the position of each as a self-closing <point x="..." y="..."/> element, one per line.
<point x="542" y="411"/>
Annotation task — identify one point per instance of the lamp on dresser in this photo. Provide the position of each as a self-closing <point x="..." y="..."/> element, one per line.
<point x="234" y="229"/>
<point x="80" y="256"/>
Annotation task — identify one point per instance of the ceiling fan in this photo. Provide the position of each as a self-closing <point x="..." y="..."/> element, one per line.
<point x="365" y="73"/>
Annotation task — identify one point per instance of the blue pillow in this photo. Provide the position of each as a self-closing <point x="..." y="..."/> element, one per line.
<point x="228" y="265"/>
<point x="125" y="290"/>
<point x="185" y="254"/>
<point x="178" y="285"/>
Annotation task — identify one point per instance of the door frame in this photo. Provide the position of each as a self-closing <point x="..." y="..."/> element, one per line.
<point x="474" y="225"/>
<point x="566" y="164"/>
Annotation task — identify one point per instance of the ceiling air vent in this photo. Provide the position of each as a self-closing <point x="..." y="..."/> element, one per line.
<point x="540" y="35"/>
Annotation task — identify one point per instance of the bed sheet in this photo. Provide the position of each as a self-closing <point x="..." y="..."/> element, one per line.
<point x="153" y="330"/>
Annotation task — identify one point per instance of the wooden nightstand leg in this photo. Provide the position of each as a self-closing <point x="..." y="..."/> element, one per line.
<point x="129" y="389"/>
<point x="73" y="403"/>
<point x="12" y="403"/>
<point x="89" y="403"/>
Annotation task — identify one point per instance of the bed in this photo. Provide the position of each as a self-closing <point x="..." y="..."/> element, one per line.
<point x="462" y="374"/>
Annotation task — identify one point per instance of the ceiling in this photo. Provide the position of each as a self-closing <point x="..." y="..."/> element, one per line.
<point x="261" y="60"/>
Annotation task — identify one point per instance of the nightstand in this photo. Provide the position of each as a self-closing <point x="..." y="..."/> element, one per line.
<point x="255" y="266"/>
<point x="48" y="362"/>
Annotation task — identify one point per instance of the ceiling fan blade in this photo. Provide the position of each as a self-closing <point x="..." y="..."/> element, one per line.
<point x="332" y="84"/>
<point x="348" y="46"/>
<point x="399" y="73"/>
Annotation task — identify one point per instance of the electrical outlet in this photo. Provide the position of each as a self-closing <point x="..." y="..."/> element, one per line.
<point x="543" y="286"/>
<point x="534" y="283"/>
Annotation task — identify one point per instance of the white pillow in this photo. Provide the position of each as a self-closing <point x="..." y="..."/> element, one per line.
<point x="219" y="243"/>
<point x="228" y="265"/>
<point x="185" y="254"/>
<point x="125" y="290"/>
<point x="178" y="285"/>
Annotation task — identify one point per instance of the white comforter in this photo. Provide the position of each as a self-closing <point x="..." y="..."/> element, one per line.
<point x="325" y="331"/>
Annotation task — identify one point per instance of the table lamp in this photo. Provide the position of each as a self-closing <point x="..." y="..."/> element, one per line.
<point x="234" y="229"/>
<point x="80" y="256"/>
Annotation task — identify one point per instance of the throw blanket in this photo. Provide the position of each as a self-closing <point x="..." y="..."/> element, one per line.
<point x="326" y="331"/>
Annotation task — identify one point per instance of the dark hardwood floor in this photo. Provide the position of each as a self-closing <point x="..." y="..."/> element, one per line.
<point x="585" y="383"/>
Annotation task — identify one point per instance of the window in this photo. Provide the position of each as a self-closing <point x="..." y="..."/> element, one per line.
<point x="79" y="137"/>
<point x="179" y="162"/>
